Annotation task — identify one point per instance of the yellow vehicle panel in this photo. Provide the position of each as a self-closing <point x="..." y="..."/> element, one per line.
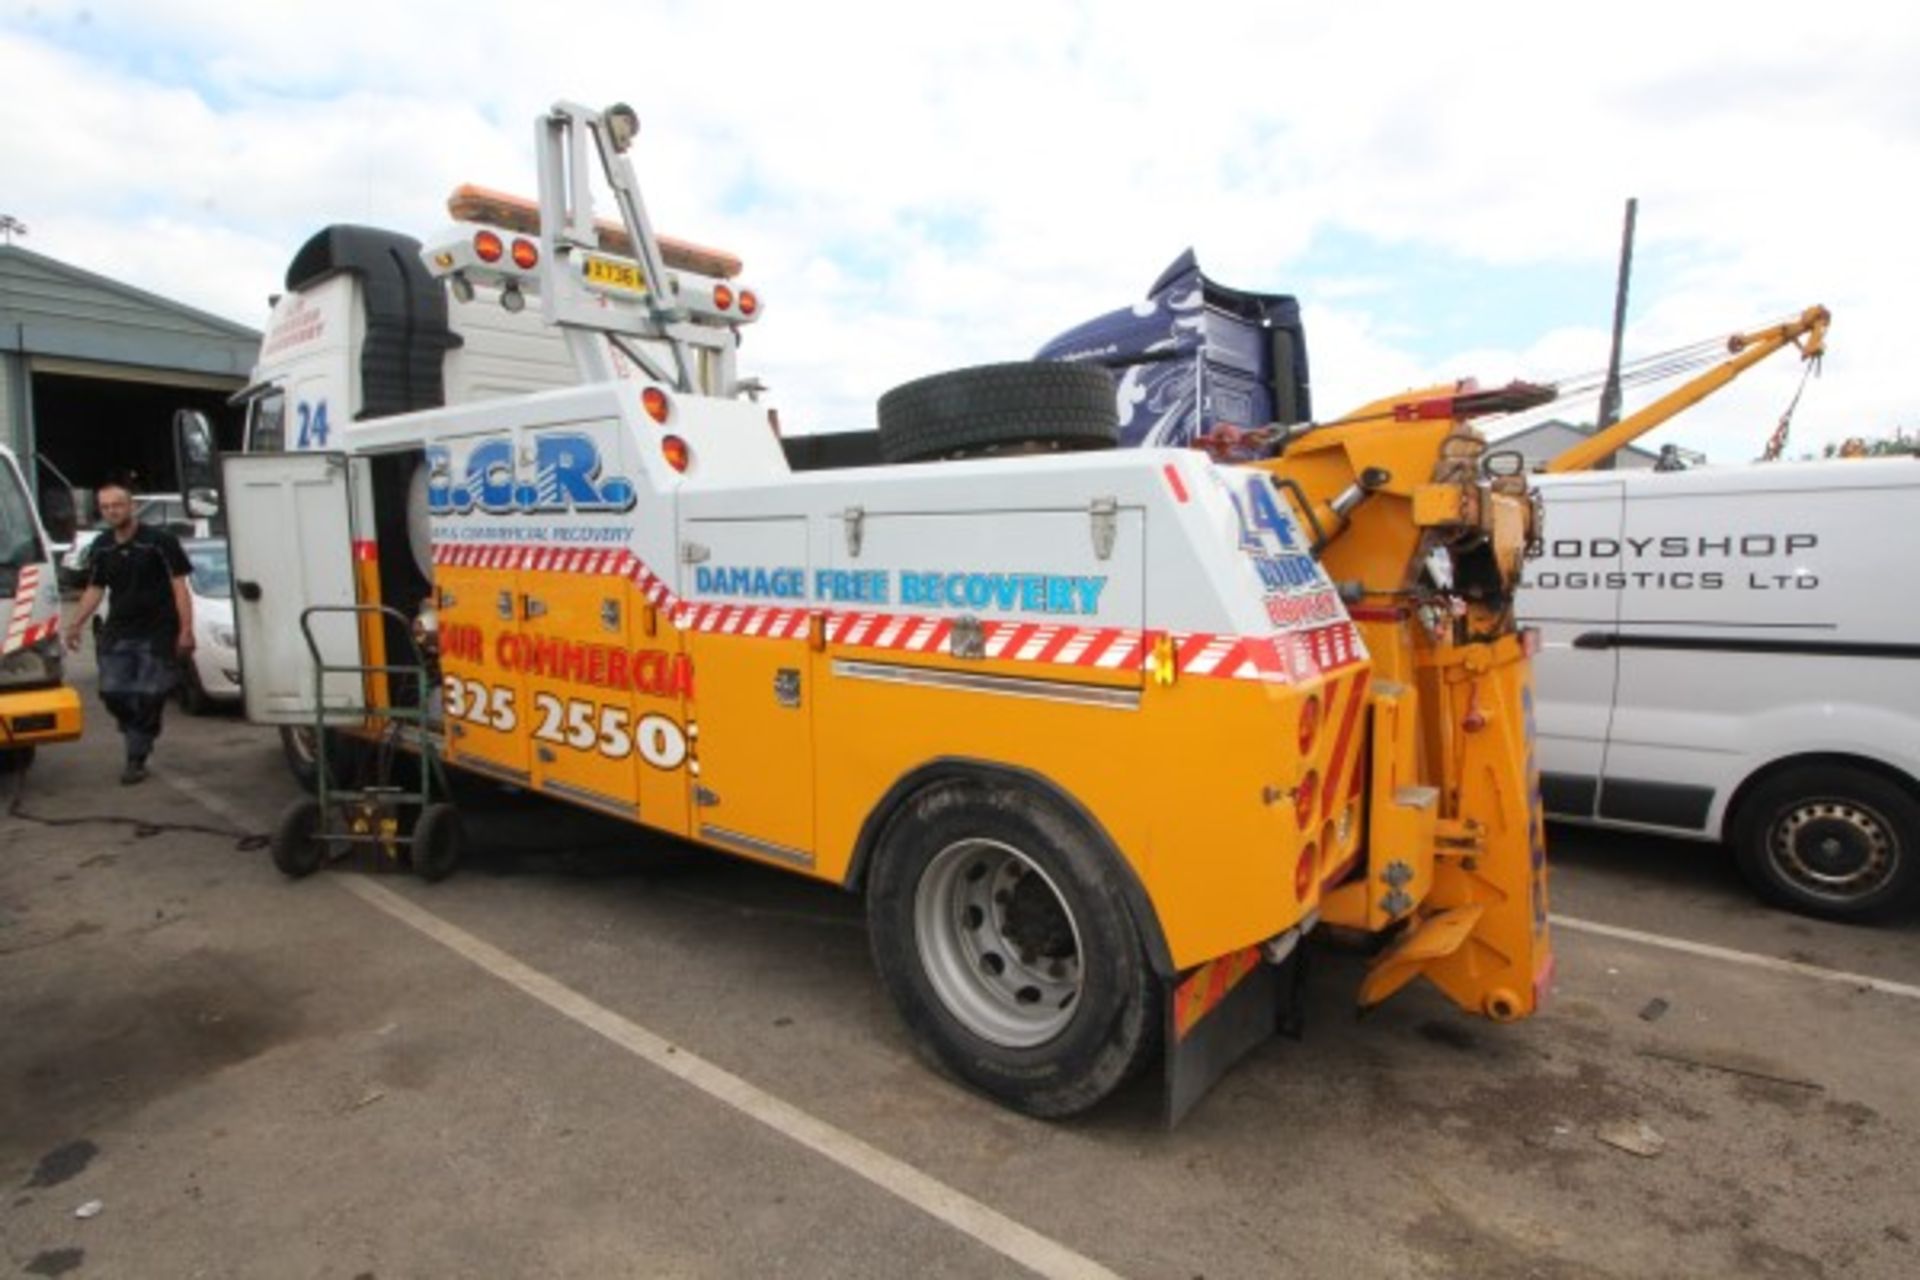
<point x="484" y="711"/>
<point x="1222" y="875"/>
<point x="576" y="668"/>
<point x="752" y="723"/>
<point x="38" y="716"/>
<point x="662" y="719"/>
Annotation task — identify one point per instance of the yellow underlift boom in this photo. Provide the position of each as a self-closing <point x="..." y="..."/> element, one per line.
<point x="1455" y="870"/>
<point x="1454" y="875"/>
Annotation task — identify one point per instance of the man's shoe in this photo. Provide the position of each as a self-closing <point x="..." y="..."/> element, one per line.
<point x="136" y="771"/>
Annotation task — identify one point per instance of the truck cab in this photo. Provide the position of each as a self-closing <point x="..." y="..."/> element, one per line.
<point x="1195" y="356"/>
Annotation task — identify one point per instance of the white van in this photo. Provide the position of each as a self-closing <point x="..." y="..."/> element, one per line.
<point x="37" y="705"/>
<point x="1734" y="654"/>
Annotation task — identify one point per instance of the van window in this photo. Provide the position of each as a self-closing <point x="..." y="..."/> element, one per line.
<point x="19" y="531"/>
<point x="267" y="423"/>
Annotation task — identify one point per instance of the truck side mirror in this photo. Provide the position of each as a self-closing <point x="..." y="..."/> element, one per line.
<point x="196" y="458"/>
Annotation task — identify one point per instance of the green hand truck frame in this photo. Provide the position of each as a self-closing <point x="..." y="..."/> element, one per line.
<point x="327" y="825"/>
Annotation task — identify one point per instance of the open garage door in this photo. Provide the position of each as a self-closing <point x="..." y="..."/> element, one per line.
<point x="93" y="421"/>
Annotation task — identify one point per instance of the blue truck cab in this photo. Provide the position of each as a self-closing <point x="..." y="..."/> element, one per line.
<point x="1195" y="355"/>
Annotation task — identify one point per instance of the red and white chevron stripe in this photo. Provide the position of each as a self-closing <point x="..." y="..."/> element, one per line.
<point x="22" y="630"/>
<point x="1288" y="658"/>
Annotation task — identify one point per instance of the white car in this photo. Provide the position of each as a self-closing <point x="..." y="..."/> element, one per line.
<point x="213" y="677"/>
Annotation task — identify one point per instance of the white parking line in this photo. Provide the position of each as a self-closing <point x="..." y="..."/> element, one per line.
<point x="1772" y="963"/>
<point x="1037" y="1253"/>
<point x="958" y="1210"/>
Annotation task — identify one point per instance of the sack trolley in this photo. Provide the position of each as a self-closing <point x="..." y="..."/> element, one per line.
<point x="374" y="811"/>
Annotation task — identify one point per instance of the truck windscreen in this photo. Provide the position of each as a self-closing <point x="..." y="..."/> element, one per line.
<point x="19" y="531"/>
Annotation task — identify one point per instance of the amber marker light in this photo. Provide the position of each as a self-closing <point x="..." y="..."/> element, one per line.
<point x="676" y="452"/>
<point x="655" y="402"/>
<point x="487" y="246"/>
<point x="526" y="254"/>
<point x="722" y="297"/>
<point x="749" y="302"/>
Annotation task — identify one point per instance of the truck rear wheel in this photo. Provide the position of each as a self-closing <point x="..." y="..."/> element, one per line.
<point x="1830" y="840"/>
<point x="997" y="408"/>
<point x="998" y="931"/>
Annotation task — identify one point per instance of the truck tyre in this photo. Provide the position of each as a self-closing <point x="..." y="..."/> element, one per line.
<point x="299" y="843"/>
<point x="1832" y="841"/>
<point x="994" y="408"/>
<point x="438" y="841"/>
<point x="1000" y="933"/>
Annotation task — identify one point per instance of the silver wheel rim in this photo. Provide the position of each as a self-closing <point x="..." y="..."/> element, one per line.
<point x="998" y="942"/>
<point x="302" y="742"/>
<point x="1836" y="849"/>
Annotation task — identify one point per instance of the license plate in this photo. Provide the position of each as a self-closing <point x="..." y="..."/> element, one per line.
<point x="619" y="275"/>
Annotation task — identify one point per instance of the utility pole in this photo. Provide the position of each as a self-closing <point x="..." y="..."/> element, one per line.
<point x="1610" y="396"/>
<point x="11" y="226"/>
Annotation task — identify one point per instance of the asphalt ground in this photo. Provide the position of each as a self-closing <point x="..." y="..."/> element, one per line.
<point x="588" y="1055"/>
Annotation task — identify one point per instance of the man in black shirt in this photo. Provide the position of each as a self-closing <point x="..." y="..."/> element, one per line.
<point x="143" y="572"/>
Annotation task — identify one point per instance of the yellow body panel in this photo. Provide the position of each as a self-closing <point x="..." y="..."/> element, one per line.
<point x="1195" y="787"/>
<point x="666" y="801"/>
<point x="580" y="716"/>
<point x="22" y="709"/>
<point x="753" y="708"/>
<point x="1195" y="780"/>
<point x="486" y="715"/>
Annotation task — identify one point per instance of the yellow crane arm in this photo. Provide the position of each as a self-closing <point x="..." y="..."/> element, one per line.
<point x="1808" y="332"/>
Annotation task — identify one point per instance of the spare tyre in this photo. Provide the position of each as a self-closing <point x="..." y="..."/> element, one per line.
<point x="997" y="408"/>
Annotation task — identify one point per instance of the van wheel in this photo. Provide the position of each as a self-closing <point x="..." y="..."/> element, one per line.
<point x="1830" y="841"/>
<point x="999" y="933"/>
<point x="999" y="408"/>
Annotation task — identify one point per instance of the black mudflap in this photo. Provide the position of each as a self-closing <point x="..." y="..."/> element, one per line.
<point x="1217" y="1014"/>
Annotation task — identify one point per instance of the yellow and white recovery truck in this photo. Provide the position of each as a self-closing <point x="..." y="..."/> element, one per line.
<point x="37" y="705"/>
<point x="1100" y="734"/>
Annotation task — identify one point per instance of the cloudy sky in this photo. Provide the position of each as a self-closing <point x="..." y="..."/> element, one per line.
<point x="918" y="187"/>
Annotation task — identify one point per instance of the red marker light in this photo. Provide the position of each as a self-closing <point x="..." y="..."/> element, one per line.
<point x="1309" y="723"/>
<point x="722" y="297"/>
<point x="526" y="254"/>
<point x="655" y="402"/>
<point x="676" y="452"/>
<point x="1303" y="798"/>
<point x="749" y="302"/>
<point x="1303" y="872"/>
<point x="487" y="246"/>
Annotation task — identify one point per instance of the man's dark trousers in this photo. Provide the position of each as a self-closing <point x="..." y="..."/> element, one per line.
<point x="136" y="675"/>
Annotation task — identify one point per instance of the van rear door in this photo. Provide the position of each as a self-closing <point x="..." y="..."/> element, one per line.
<point x="291" y="540"/>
